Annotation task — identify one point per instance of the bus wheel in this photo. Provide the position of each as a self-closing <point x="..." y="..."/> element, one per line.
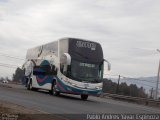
<point x="53" y="90"/>
<point x="26" y="82"/>
<point x="84" y="97"/>
<point x="29" y="85"/>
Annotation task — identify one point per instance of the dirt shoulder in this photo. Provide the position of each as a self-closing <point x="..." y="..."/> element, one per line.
<point x="16" y="112"/>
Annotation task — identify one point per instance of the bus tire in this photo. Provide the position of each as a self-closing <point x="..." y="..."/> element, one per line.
<point x="29" y="85"/>
<point x="53" y="90"/>
<point x="26" y="82"/>
<point x="84" y="97"/>
<point x="34" y="89"/>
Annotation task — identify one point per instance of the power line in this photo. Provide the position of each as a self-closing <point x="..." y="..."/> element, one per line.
<point x="9" y="56"/>
<point x="112" y="75"/>
<point x="7" y="66"/>
<point x="132" y="78"/>
<point x="145" y="84"/>
<point x="141" y="83"/>
<point x="138" y="80"/>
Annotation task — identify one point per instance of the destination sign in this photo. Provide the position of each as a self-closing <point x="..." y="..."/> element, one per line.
<point x="84" y="44"/>
<point x="87" y="65"/>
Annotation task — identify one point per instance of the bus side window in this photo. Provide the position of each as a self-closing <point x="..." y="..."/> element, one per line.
<point x="54" y="70"/>
<point x="61" y="68"/>
<point x="65" y="70"/>
<point x="69" y="71"/>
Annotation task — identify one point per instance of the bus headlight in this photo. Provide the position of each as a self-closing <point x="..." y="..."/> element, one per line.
<point x="97" y="87"/>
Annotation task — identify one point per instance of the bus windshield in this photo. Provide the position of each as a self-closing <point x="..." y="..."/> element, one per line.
<point x="86" y="72"/>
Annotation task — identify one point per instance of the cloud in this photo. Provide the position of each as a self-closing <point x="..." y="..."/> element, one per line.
<point x="122" y="27"/>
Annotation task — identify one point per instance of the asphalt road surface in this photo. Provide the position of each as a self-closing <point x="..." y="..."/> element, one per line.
<point x="69" y="104"/>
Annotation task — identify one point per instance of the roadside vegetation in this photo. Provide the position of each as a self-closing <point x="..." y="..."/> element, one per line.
<point x="123" y="89"/>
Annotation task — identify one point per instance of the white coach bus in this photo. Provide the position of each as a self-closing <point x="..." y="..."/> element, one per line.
<point x="69" y="65"/>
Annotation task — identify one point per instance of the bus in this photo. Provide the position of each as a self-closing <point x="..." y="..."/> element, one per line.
<point x="68" y="65"/>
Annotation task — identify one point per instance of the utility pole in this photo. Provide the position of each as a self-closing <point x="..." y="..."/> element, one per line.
<point x="117" y="89"/>
<point x="151" y="93"/>
<point x="157" y="81"/>
<point x="157" y="78"/>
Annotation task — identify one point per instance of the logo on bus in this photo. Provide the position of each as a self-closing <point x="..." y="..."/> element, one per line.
<point x="83" y="44"/>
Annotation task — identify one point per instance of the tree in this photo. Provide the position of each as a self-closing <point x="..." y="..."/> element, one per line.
<point x="6" y="78"/>
<point x="141" y="92"/>
<point x="124" y="89"/>
<point x="1" y="79"/>
<point x="18" y="76"/>
<point x="133" y="90"/>
<point x="109" y="86"/>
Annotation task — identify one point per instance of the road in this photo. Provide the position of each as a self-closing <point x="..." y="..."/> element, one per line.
<point x="69" y="104"/>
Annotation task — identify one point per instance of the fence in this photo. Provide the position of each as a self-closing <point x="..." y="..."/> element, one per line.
<point x="146" y="101"/>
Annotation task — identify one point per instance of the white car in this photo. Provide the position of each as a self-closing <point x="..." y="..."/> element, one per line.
<point x="5" y="81"/>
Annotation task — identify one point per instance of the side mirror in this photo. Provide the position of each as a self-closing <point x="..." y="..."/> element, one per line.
<point x="109" y="64"/>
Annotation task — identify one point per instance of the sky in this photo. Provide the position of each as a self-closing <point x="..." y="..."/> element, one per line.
<point x="128" y="30"/>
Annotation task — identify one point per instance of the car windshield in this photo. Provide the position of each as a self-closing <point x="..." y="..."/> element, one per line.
<point x="86" y="72"/>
